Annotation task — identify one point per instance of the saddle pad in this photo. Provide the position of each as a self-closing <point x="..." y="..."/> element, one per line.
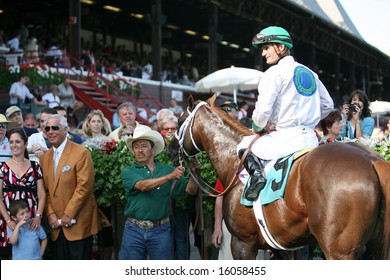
<point x="276" y="179"/>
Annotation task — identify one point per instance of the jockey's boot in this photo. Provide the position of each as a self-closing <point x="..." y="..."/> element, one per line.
<point x="255" y="169"/>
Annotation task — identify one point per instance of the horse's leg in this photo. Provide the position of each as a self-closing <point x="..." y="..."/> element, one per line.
<point x="243" y="250"/>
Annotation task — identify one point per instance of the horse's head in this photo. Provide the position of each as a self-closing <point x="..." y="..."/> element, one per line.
<point x="181" y="145"/>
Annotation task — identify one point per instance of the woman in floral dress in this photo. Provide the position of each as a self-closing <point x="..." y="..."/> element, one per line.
<point x="20" y="178"/>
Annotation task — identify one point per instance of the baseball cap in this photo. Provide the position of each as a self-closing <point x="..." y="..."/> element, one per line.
<point x="11" y="110"/>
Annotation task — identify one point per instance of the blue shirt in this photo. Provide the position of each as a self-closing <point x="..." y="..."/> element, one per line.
<point x="367" y="126"/>
<point x="28" y="246"/>
<point x="151" y="205"/>
<point x="5" y="151"/>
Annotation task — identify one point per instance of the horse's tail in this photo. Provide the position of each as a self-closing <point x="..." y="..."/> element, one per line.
<point x="383" y="170"/>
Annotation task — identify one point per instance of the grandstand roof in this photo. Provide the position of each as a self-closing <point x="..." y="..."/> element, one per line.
<point x="331" y="11"/>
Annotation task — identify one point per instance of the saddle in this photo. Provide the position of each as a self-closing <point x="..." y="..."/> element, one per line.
<point x="276" y="173"/>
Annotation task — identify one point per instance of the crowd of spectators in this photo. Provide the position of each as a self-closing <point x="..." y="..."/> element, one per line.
<point x="102" y="57"/>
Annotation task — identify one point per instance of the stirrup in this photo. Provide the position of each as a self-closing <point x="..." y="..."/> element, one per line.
<point x="254" y="189"/>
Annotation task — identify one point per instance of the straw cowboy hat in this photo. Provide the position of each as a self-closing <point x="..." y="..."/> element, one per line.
<point x="143" y="132"/>
<point x="11" y="125"/>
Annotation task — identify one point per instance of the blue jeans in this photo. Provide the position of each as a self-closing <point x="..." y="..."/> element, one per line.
<point x="181" y="238"/>
<point x="137" y="243"/>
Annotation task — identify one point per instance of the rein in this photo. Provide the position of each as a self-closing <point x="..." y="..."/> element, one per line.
<point x="180" y="135"/>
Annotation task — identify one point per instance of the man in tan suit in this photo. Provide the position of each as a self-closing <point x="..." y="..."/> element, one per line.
<point x="71" y="208"/>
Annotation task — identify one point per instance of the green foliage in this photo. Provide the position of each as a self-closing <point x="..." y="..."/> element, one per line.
<point x="108" y="164"/>
<point x="39" y="74"/>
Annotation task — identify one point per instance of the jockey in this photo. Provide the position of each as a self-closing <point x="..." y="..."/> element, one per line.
<point x="291" y="97"/>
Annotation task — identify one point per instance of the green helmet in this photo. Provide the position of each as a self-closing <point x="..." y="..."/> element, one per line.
<point x="272" y="34"/>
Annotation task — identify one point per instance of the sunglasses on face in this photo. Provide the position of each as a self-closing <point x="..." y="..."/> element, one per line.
<point x="53" y="127"/>
<point x="127" y="134"/>
<point x="3" y="125"/>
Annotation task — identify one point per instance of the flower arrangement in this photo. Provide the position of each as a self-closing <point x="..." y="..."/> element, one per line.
<point x="381" y="146"/>
<point x="128" y="86"/>
<point x="39" y="74"/>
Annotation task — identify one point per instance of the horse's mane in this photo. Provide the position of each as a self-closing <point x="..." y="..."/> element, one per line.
<point x="235" y="125"/>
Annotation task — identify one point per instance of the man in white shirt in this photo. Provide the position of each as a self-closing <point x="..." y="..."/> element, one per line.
<point x="126" y="114"/>
<point x="292" y="97"/>
<point x="19" y="92"/>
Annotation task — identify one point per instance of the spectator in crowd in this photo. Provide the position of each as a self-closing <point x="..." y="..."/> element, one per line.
<point x="26" y="244"/>
<point x="147" y="186"/>
<point x="5" y="151"/>
<point x="161" y="114"/>
<point x="30" y="121"/>
<point x="126" y="114"/>
<point x="37" y="92"/>
<point x="357" y="114"/>
<point x="13" y="113"/>
<point x="20" y="178"/>
<point x="331" y="127"/>
<point x="125" y="132"/>
<point x="38" y="142"/>
<point x="243" y="112"/>
<point x="69" y="178"/>
<point x="71" y="134"/>
<point x="14" y="43"/>
<point x="31" y="52"/>
<point x="54" y="55"/>
<point x="19" y="92"/>
<point x="168" y="128"/>
<point x="175" y="108"/>
<point x="68" y="99"/>
<point x="96" y="127"/>
<point x="52" y="97"/>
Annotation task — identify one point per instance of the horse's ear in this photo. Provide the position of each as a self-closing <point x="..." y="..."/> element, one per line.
<point x="212" y="99"/>
<point x="191" y="102"/>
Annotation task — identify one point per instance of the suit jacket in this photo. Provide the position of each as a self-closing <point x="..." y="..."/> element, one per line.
<point x="71" y="191"/>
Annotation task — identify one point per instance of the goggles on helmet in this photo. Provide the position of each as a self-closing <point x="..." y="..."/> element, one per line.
<point x="264" y="39"/>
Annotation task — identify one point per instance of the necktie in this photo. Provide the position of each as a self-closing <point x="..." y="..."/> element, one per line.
<point x="55" y="160"/>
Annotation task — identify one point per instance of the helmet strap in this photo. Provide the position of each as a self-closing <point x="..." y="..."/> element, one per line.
<point x="280" y="55"/>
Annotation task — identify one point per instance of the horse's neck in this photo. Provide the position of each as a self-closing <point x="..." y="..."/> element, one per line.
<point x="221" y="149"/>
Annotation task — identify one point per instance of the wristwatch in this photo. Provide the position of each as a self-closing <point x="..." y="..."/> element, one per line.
<point x="38" y="215"/>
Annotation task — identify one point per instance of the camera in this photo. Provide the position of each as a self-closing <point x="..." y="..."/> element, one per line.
<point x="352" y="107"/>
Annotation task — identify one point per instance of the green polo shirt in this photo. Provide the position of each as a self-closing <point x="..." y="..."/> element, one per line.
<point x="152" y="205"/>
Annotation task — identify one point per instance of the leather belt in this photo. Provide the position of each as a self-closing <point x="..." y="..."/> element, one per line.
<point x="147" y="224"/>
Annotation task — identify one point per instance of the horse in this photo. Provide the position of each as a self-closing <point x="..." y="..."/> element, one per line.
<point x="337" y="195"/>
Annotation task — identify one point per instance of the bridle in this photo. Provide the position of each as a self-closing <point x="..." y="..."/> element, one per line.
<point x="180" y="136"/>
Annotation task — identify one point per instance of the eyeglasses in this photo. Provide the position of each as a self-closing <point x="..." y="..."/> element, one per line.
<point x="53" y="127"/>
<point x="127" y="134"/>
<point x="173" y="129"/>
<point x="3" y="125"/>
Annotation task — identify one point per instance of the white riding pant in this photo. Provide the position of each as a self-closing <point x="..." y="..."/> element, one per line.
<point x="281" y="143"/>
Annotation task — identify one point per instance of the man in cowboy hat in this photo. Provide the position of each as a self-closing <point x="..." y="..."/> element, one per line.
<point x="5" y="151"/>
<point x="147" y="186"/>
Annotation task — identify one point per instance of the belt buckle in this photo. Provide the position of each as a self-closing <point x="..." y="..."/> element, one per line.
<point x="145" y="224"/>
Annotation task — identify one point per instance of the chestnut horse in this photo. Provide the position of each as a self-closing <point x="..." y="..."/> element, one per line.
<point x="337" y="195"/>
